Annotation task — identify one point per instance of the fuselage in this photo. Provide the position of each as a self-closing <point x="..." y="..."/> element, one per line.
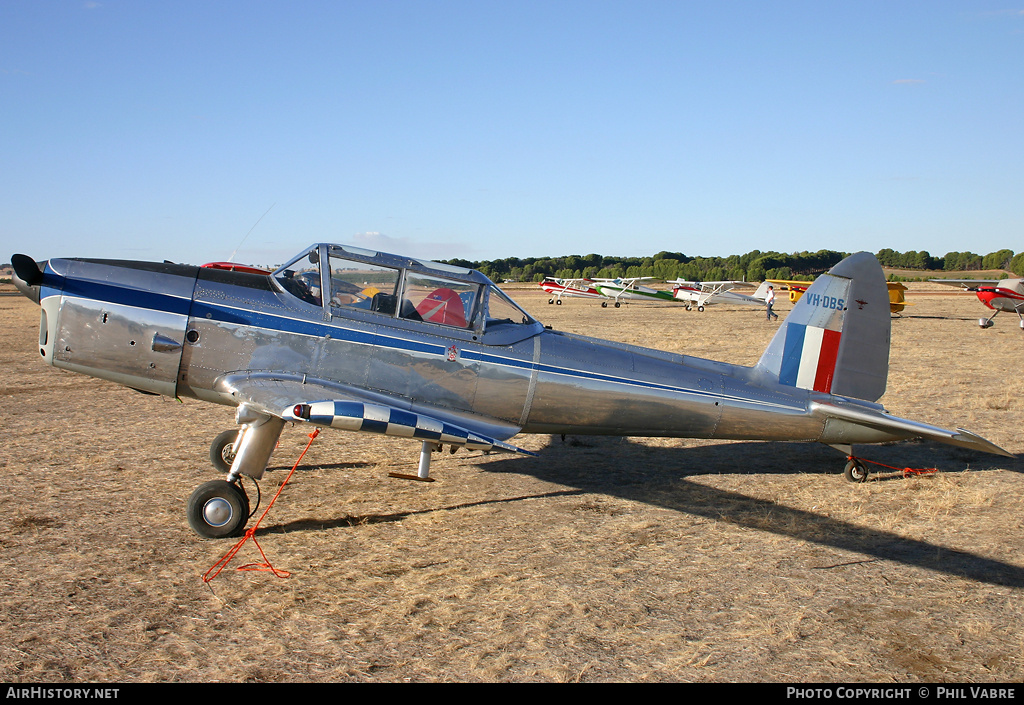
<point x="180" y="330"/>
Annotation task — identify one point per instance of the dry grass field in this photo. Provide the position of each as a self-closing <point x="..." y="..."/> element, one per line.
<point x="603" y="559"/>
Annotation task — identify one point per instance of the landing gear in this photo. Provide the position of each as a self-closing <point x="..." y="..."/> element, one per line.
<point x="986" y="322"/>
<point x="617" y="304"/>
<point x="701" y="309"/>
<point x="604" y="304"/>
<point x="218" y="509"/>
<point x="222" y="450"/>
<point x="558" y="302"/>
<point x="856" y="471"/>
<point x="551" y="301"/>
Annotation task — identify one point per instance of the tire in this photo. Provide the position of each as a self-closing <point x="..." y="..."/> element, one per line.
<point x="604" y="304"/>
<point x="701" y="309"/>
<point x="856" y="471"/>
<point x="218" y="509"/>
<point x="558" y="302"/>
<point x="222" y="450"/>
<point x="617" y="304"/>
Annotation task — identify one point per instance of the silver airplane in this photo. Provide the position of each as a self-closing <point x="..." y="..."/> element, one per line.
<point x="345" y="338"/>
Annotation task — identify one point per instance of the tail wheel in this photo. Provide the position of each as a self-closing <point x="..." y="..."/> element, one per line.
<point x="222" y="450"/>
<point x="856" y="471"/>
<point x="218" y="509"/>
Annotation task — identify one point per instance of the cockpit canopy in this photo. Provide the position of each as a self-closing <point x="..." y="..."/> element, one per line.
<point x="404" y="289"/>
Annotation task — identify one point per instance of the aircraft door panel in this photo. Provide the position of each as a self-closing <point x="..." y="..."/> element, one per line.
<point x="506" y="379"/>
<point x="424" y="368"/>
<point x="343" y="361"/>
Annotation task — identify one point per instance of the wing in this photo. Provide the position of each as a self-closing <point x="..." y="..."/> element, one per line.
<point x="790" y="284"/>
<point x="969" y="284"/>
<point x="337" y="406"/>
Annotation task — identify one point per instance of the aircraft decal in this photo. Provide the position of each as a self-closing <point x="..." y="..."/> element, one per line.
<point x="809" y="357"/>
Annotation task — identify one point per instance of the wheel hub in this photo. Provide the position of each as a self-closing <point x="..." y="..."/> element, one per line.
<point x="217" y="511"/>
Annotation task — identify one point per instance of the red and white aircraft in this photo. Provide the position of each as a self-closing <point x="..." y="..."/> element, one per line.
<point x="558" y="288"/>
<point x="996" y="294"/>
<point x="700" y="294"/>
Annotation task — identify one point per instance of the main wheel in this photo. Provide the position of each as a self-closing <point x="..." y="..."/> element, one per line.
<point x="617" y="304"/>
<point x="856" y="471"/>
<point x="218" y="509"/>
<point x="701" y="309"/>
<point x="604" y="304"/>
<point x="558" y="302"/>
<point x="222" y="450"/>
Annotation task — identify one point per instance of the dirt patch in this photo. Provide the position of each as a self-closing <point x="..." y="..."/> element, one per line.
<point x="603" y="559"/>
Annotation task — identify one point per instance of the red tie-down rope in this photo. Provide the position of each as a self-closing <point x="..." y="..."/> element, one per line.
<point x="905" y="471"/>
<point x="217" y="567"/>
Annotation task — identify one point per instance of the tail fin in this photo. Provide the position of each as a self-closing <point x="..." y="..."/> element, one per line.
<point x="836" y="338"/>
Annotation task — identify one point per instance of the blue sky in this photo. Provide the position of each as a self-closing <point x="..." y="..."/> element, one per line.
<point x="489" y="129"/>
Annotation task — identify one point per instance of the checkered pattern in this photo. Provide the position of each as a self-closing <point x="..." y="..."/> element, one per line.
<point x="374" y="418"/>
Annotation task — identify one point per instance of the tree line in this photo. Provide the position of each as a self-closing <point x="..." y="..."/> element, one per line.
<point x="753" y="266"/>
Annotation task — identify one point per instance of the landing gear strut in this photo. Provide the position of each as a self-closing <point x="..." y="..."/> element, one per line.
<point x="220" y="508"/>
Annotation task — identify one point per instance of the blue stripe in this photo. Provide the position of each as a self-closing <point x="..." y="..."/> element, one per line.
<point x="225" y="314"/>
<point x="125" y="296"/>
<point x="792" y="349"/>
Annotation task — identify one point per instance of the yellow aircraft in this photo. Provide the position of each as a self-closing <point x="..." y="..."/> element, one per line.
<point x="796" y="289"/>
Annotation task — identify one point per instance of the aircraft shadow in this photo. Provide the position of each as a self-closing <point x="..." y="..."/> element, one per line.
<point x="658" y="477"/>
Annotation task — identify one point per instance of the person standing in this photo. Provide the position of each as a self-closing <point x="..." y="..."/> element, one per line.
<point x="769" y="301"/>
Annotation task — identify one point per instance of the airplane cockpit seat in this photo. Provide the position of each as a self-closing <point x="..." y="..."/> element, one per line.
<point x="443" y="306"/>
<point x="299" y="287"/>
<point x="409" y="311"/>
<point x="384" y="303"/>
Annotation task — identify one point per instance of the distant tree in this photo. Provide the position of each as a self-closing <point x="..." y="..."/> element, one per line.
<point x="997" y="260"/>
<point x="1017" y="264"/>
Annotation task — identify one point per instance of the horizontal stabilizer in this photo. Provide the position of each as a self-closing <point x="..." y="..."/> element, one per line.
<point x="885" y="422"/>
